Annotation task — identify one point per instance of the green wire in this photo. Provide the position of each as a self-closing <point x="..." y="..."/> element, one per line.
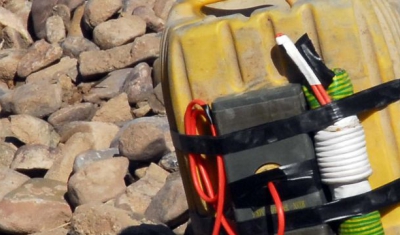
<point x="369" y="224"/>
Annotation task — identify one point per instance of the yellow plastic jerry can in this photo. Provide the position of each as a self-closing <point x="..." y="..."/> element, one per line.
<point x="212" y="49"/>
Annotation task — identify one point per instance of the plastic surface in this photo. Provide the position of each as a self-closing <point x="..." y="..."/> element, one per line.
<point x="208" y="57"/>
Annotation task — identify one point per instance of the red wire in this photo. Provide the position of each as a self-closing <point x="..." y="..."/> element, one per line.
<point x="279" y="208"/>
<point x="199" y="172"/>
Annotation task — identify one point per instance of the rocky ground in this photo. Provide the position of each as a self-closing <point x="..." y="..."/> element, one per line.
<point x="85" y="145"/>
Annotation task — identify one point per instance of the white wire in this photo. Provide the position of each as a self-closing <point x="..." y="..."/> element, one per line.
<point x="342" y="157"/>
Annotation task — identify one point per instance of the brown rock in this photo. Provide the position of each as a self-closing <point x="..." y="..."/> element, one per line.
<point x="98" y="182"/>
<point x="75" y="29"/>
<point x="56" y="231"/>
<point x="97" y="62"/>
<point x="138" y="85"/>
<point x="21" y="8"/>
<point x="72" y="4"/>
<point x="156" y="106"/>
<point x="9" y="60"/>
<point x="142" y="140"/>
<point x="116" y="110"/>
<point x="37" y="205"/>
<point x="13" y="39"/>
<point x="34" y="157"/>
<point x="163" y="7"/>
<point x="142" y="109"/>
<point x="139" y="194"/>
<point x="55" y="29"/>
<point x="40" y="11"/>
<point x="130" y="5"/>
<point x="98" y="11"/>
<point x="77" y="112"/>
<point x="10" y="180"/>
<point x="39" y="55"/>
<point x="97" y="218"/>
<point x="7" y="152"/>
<point x="66" y="67"/>
<point x="9" y="19"/>
<point x="152" y="21"/>
<point x="169" y="206"/>
<point x="118" y="32"/>
<point x="31" y="130"/>
<point x="5" y="128"/>
<point x="38" y="99"/>
<point x="109" y="87"/>
<point x="88" y="157"/>
<point x="74" y="46"/>
<point x="102" y="132"/>
<point x="64" y="12"/>
<point x="63" y="164"/>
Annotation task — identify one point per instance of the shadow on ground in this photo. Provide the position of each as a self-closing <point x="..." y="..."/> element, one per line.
<point x="147" y="229"/>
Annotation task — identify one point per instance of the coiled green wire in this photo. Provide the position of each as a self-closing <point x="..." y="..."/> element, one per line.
<point x="369" y="224"/>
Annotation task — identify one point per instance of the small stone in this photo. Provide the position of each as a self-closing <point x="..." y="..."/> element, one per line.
<point x="181" y="229"/>
<point x="76" y="112"/>
<point x="163" y="7"/>
<point x="38" y="99"/>
<point x="138" y="85"/>
<point x="40" y="11"/>
<point x="116" y="110"/>
<point x="130" y="5"/>
<point x="11" y="20"/>
<point x="139" y="194"/>
<point x="37" y="205"/>
<point x="75" y="29"/>
<point x="109" y="87"/>
<point x="73" y="46"/>
<point x="152" y="21"/>
<point x="10" y="180"/>
<point x="98" y="11"/>
<point x="34" y="157"/>
<point x="118" y="32"/>
<point x="143" y="109"/>
<point x="7" y="152"/>
<point x="66" y="67"/>
<point x="169" y="162"/>
<point x="9" y="59"/>
<point x="98" y="182"/>
<point x="88" y="157"/>
<point x="169" y="206"/>
<point x="98" y="218"/>
<point x="32" y="130"/>
<point x="158" y="92"/>
<point x="39" y="55"/>
<point x="141" y="172"/>
<point x="143" y="48"/>
<point x="55" y="29"/>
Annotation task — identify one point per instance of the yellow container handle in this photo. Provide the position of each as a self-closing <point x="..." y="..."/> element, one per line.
<point x="194" y="7"/>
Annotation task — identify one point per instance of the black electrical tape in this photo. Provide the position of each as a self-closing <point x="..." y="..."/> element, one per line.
<point x="293" y="180"/>
<point x="311" y="121"/>
<point x="310" y="55"/>
<point x="380" y="198"/>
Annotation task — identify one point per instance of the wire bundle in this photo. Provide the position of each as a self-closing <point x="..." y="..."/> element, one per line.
<point x="199" y="171"/>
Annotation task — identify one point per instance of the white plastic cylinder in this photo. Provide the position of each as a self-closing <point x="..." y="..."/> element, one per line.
<point x="342" y="158"/>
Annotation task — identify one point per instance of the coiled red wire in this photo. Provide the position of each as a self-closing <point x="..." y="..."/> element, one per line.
<point x="201" y="177"/>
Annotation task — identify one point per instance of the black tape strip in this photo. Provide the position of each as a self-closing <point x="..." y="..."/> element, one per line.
<point x="374" y="98"/>
<point x="246" y="191"/>
<point x="380" y="198"/>
<point x="310" y="55"/>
